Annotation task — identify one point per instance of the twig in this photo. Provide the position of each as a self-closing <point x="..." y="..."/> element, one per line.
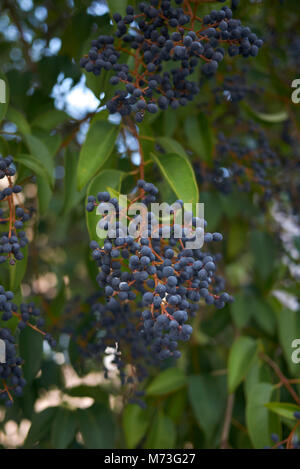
<point x="25" y="46"/>
<point x="282" y="378"/>
<point x="227" y="422"/>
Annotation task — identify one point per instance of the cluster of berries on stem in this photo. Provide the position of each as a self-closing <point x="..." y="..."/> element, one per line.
<point x="155" y="276"/>
<point x="12" y="215"/>
<point x="166" y="42"/>
<point x="27" y="315"/>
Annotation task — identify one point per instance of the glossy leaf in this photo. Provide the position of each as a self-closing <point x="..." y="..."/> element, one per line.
<point x="97" y="427"/>
<point x="96" y="149"/>
<point x="241" y="355"/>
<point x="167" y="381"/>
<point x="17" y="271"/>
<point x="35" y="165"/>
<point x="18" y="118"/>
<point x="117" y="6"/>
<point x="199" y="136"/>
<point x="185" y="187"/>
<point x="283" y="409"/>
<point x="63" y="428"/>
<point x="41" y="425"/>
<point x="40" y="151"/>
<point x="162" y="434"/>
<point x="171" y="146"/>
<point x="208" y="398"/>
<point x="259" y="422"/>
<point x="50" y="119"/>
<point x="101" y="183"/>
<point x="31" y="349"/>
<point x="135" y="424"/>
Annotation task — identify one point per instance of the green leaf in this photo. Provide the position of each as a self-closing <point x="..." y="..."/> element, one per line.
<point x="171" y="146"/>
<point x="51" y="140"/>
<point x="31" y="350"/>
<point x="135" y="424"/>
<point x="249" y="305"/>
<point x="44" y="194"/>
<point x="97" y="427"/>
<point x="71" y="194"/>
<point x="95" y="83"/>
<point x="19" y="119"/>
<point x="262" y="245"/>
<point x="96" y="149"/>
<point x="236" y="238"/>
<point x="50" y="119"/>
<point x="259" y="372"/>
<point x="241" y="355"/>
<point x="199" y="136"/>
<point x="117" y="6"/>
<point x="179" y="174"/>
<point x="283" y="409"/>
<point x="162" y="434"/>
<point x="207" y="135"/>
<point x="240" y="311"/>
<point x="176" y="404"/>
<point x="34" y="165"/>
<point x="41" y="425"/>
<point x="63" y="428"/>
<point x="169" y="122"/>
<point x="95" y="392"/>
<point x="51" y="375"/>
<point x="262" y="313"/>
<point x="73" y="44"/>
<point x="3" y="147"/>
<point x="17" y="271"/>
<point x="105" y="179"/>
<point x="297" y="243"/>
<point x="259" y="421"/>
<point x="289" y="330"/>
<point x="4" y="96"/>
<point x="167" y="381"/>
<point x="213" y="208"/>
<point x="39" y="150"/>
<point x="208" y="396"/>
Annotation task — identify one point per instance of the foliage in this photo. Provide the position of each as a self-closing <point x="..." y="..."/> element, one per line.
<point x="233" y="146"/>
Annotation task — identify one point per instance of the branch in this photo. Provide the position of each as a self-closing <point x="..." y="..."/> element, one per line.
<point x="227" y="422"/>
<point x="12" y="11"/>
<point x="282" y="378"/>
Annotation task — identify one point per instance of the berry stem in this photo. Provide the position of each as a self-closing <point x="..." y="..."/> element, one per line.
<point x="134" y="132"/>
<point x="282" y="378"/>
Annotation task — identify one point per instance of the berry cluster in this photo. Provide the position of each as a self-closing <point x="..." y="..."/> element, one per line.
<point x="12" y="215"/>
<point x="289" y="181"/>
<point x="234" y="89"/>
<point x="167" y="44"/>
<point x="11" y="371"/>
<point x="155" y="278"/>
<point x="99" y="331"/>
<point x="242" y="163"/>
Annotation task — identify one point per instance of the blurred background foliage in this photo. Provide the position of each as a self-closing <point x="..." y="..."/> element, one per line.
<point x="217" y="395"/>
